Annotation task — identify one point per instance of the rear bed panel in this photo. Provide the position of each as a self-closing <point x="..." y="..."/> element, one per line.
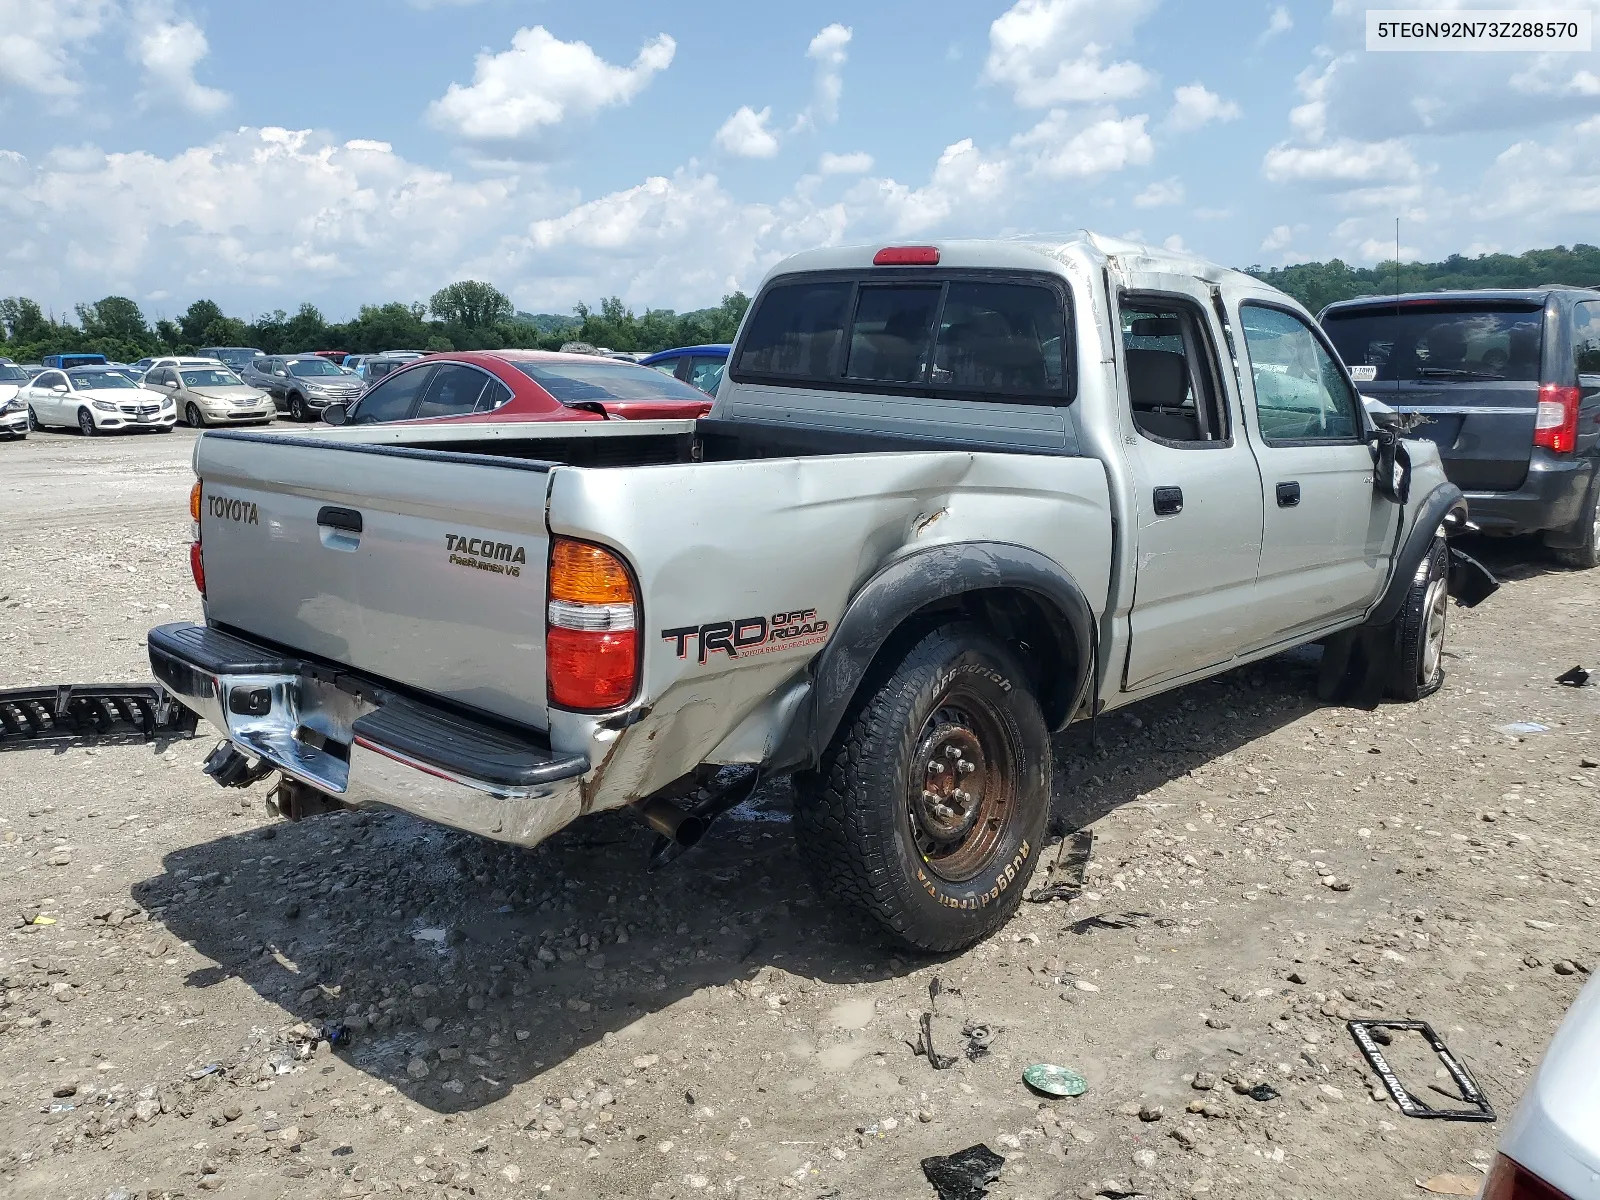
<point x="443" y="590"/>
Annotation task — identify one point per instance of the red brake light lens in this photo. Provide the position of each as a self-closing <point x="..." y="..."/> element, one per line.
<point x="197" y="568"/>
<point x="591" y="646"/>
<point x="1509" y="1180"/>
<point x="1556" y="426"/>
<point x="907" y="256"/>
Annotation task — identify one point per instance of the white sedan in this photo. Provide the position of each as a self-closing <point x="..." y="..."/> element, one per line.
<point x="13" y="410"/>
<point x="95" y="400"/>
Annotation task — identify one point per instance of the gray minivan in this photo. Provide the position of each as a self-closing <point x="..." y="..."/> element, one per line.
<point x="1509" y="384"/>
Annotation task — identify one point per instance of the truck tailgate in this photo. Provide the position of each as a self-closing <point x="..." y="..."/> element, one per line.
<point x="424" y="568"/>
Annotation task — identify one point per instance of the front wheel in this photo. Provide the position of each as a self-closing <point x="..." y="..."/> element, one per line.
<point x="297" y="408"/>
<point x="33" y="420"/>
<point x="929" y="808"/>
<point x="192" y="416"/>
<point x="1419" y="629"/>
<point x="86" y="425"/>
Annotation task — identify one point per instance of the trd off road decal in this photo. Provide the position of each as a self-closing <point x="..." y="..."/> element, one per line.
<point x="485" y="554"/>
<point x="749" y="635"/>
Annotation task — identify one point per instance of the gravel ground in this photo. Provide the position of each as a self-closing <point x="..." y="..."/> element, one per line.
<point x="559" y="1022"/>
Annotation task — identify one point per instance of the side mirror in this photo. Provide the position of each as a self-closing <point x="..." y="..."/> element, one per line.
<point x="1391" y="465"/>
<point x="334" y="414"/>
<point x="59" y="387"/>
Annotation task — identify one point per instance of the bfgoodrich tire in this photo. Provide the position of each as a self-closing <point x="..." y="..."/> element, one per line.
<point x="1419" y="629"/>
<point x="929" y="808"/>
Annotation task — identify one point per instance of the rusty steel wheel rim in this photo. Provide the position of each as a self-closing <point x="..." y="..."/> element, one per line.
<point x="961" y="793"/>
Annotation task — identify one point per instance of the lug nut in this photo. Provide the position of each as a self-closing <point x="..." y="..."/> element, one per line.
<point x="965" y="767"/>
<point x="935" y="767"/>
<point x="952" y="752"/>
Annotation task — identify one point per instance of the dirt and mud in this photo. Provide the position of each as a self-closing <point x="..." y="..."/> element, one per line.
<point x="201" y="998"/>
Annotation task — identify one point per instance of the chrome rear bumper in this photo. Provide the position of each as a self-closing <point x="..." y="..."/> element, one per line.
<point x="367" y="745"/>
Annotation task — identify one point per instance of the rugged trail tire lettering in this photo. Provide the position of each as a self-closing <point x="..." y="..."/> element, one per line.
<point x="852" y="822"/>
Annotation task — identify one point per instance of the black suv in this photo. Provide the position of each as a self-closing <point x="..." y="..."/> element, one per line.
<point x="1510" y="384"/>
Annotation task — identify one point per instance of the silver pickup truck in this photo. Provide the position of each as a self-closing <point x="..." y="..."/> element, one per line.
<point x="949" y="500"/>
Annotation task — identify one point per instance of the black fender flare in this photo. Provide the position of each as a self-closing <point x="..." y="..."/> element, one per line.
<point x="1432" y="512"/>
<point x="911" y="584"/>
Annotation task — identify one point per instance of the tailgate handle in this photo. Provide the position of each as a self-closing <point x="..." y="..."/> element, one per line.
<point x="1288" y="494"/>
<point x="347" y="519"/>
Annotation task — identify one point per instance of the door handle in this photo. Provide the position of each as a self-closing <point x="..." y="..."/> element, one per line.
<point x="1167" y="501"/>
<point x="347" y="519"/>
<point x="1288" y="494"/>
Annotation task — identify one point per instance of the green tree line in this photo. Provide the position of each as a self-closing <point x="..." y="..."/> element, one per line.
<point x="467" y="315"/>
<point x="1320" y="283"/>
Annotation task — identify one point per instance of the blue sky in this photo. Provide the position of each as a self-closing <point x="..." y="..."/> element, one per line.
<point x="369" y="150"/>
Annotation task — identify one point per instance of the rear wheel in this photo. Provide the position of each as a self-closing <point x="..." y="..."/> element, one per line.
<point x="929" y="808"/>
<point x="1420" y="628"/>
<point x="1584" y="553"/>
<point x="192" y="416"/>
<point x="86" y="425"/>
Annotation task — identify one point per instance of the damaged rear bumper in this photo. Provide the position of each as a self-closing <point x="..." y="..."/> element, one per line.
<point x="365" y="744"/>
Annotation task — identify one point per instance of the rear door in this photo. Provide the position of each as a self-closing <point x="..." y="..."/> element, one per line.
<point x="1198" y="488"/>
<point x="1327" y="535"/>
<point x="423" y="568"/>
<point x="1471" y="366"/>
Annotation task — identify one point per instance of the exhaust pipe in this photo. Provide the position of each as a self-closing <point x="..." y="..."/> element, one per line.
<point x="681" y="828"/>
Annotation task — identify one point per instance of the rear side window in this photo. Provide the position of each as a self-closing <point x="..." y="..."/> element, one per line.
<point x="1439" y="342"/>
<point x="494" y="395"/>
<point x="962" y="338"/>
<point x="1172" y="386"/>
<point x="1586" y="337"/>
<point x="452" y="392"/>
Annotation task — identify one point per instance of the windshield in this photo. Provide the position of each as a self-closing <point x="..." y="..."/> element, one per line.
<point x="1441" y="341"/>
<point x="83" y="381"/>
<point x="211" y="377"/>
<point x="304" y="368"/>
<point x="606" y="379"/>
<point x="12" y="374"/>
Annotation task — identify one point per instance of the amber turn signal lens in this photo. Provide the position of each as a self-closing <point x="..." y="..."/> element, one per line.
<point x="194" y="501"/>
<point x="587" y="574"/>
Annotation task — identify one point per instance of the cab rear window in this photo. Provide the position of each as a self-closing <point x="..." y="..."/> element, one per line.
<point x="970" y="338"/>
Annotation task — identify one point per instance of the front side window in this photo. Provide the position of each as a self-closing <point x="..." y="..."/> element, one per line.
<point x="390" y="400"/>
<point x="452" y="392"/>
<point x="1586" y="337"/>
<point x="50" y="379"/>
<point x="1172" y="387"/>
<point x="1302" y="394"/>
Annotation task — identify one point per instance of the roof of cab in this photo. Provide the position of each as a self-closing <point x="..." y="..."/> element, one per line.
<point x="1038" y="253"/>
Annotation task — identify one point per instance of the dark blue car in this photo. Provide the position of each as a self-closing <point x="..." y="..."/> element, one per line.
<point x="699" y="366"/>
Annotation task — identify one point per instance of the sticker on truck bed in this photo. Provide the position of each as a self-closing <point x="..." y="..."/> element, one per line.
<point x="749" y="635"/>
<point x="485" y="554"/>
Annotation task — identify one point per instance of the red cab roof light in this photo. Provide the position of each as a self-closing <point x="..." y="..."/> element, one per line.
<point x="907" y="256"/>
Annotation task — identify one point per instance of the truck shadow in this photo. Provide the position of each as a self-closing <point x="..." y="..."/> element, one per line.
<point x="456" y="968"/>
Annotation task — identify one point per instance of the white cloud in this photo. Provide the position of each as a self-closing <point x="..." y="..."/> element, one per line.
<point x="1345" y="161"/>
<point x="1193" y="105"/>
<point x="1063" y="146"/>
<point x="1278" y="239"/>
<point x="1278" y="21"/>
<point x="168" y="50"/>
<point x="747" y="134"/>
<point x="830" y="48"/>
<point x="39" y="40"/>
<point x="1161" y="193"/>
<point x="1174" y="242"/>
<point x="857" y="163"/>
<point x="964" y="180"/>
<point x="1050" y="52"/>
<point x="540" y="83"/>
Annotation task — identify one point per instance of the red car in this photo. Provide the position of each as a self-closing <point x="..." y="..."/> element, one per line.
<point x="474" y="386"/>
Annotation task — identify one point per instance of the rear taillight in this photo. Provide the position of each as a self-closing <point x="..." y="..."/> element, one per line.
<point x="591" y="637"/>
<point x="197" y="566"/>
<point x="907" y="256"/>
<point x="1510" y="1180"/>
<point x="1556" y="426"/>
